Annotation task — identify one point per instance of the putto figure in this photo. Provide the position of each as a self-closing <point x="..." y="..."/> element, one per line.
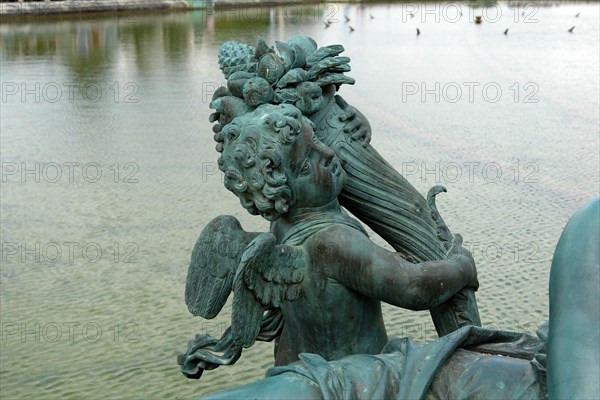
<point x="316" y="267"/>
<point x="316" y="272"/>
<point x="295" y="153"/>
<point x="308" y="77"/>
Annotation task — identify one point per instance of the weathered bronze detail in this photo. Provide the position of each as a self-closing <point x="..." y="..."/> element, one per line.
<point x="297" y="154"/>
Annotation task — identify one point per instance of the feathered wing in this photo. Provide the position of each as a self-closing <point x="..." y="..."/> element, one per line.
<point x="268" y="275"/>
<point x="215" y="259"/>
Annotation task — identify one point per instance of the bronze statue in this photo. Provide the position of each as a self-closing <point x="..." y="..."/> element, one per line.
<point x="309" y="77"/>
<point x="294" y="153"/>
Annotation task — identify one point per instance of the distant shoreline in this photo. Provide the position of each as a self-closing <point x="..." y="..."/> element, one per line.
<point x="17" y="9"/>
<point x="42" y="8"/>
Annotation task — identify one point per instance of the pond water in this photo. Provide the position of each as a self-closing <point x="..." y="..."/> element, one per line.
<point x="109" y="170"/>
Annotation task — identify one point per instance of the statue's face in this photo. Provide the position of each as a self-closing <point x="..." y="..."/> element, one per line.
<point x="315" y="174"/>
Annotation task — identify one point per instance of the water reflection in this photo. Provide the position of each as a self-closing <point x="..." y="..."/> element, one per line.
<point x="166" y="63"/>
<point x="138" y="36"/>
<point x="88" y="47"/>
<point x="89" y="51"/>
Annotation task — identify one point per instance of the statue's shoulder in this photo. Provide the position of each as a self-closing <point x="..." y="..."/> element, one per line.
<point x="337" y="242"/>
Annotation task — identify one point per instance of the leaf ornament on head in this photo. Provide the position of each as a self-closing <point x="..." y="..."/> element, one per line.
<point x="261" y="74"/>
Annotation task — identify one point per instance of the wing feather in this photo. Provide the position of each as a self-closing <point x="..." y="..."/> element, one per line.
<point x="215" y="258"/>
<point x="267" y="275"/>
<point x="272" y="270"/>
<point x="246" y="315"/>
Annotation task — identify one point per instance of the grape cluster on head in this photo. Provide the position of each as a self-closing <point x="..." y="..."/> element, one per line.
<point x="294" y="74"/>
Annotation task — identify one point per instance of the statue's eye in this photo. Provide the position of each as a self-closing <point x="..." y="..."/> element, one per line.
<point x="305" y="168"/>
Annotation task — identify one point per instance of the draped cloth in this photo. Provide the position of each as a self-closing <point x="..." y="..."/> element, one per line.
<point x="488" y="363"/>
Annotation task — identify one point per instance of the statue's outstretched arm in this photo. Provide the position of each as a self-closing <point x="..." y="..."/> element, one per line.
<point x="358" y="263"/>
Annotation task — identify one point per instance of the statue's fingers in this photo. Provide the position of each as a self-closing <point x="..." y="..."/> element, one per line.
<point x="348" y="115"/>
<point x="364" y="135"/>
<point x="214" y="117"/>
<point x="358" y="134"/>
<point x="352" y="126"/>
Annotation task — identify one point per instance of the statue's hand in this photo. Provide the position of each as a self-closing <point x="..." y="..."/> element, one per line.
<point x="357" y="126"/>
<point x="205" y="353"/>
<point x="465" y="260"/>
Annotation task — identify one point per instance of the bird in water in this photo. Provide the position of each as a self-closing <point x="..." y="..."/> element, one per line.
<point x="506" y="31"/>
<point x="351" y="28"/>
<point x="347" y="19"/>
<point x="577" y="15"/>
<point x="418" y="31"/>
<point x="572" y="29"/>
<point x="371" y="15"/>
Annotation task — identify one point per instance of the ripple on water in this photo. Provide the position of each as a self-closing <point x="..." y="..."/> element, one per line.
<point x="126" y="309"/>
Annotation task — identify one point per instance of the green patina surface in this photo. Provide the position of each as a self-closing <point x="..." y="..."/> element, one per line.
<point x="295" y="152"/>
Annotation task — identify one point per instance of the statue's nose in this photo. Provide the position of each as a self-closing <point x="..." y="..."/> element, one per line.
<point x="324" y="150"/>
<point x="328" y="158"/>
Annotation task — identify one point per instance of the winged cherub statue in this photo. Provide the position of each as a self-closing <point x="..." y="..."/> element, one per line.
<point x="306" y="76"/>
<point x="295" y="152"/>
<point x="315" y="282"/>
